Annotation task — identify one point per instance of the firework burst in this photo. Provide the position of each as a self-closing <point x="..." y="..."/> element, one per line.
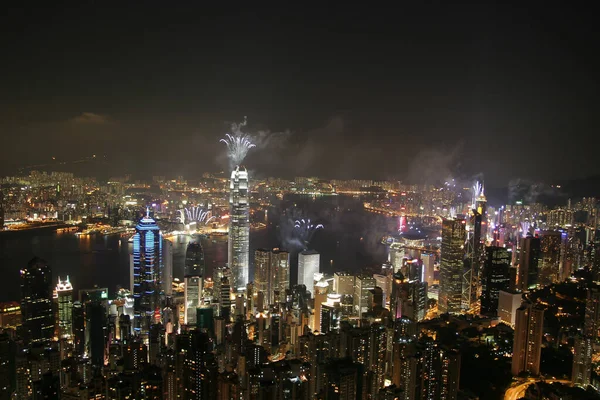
<point x="306" y="230"/>
<point x="238" y="143"/>
<point x="477" y="192"/>
<point x="525" y="226"/>
<point x="194" y="214"/>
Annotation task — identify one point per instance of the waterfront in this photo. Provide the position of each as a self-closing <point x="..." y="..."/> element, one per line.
<point x="349" y="242"/>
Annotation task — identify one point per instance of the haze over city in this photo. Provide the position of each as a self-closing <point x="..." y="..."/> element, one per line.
<point x="462" y="87"/>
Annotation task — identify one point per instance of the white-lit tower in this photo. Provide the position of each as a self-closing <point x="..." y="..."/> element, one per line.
<point x="239" y="228"/>
<point x="64" y="294"/>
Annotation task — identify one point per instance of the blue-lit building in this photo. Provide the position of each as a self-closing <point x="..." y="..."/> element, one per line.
<point x="146" y="272"/>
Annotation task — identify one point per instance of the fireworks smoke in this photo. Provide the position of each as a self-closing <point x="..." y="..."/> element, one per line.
<point x="295" y="230"/>
<point x="238" y="144"/>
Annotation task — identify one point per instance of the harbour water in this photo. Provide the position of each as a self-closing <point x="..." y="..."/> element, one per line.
<point x="350" y="241"/>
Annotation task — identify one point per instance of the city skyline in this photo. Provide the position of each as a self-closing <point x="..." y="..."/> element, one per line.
<point x="335" y="202"/>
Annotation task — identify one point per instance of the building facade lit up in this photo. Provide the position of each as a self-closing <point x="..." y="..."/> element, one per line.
<point x="146" y="264"/>
<point x="64" y="295"/>
<point x="239" y="228"/>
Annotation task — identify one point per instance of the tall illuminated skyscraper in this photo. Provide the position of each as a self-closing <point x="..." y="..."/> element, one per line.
<point x="271" y="273"/>
<point x="452" y="265"/>
<point x="495" y="278"/>
<point x="36" y="301"/>
<point x="529" y="256"/>
<point x="64" y="292"/>
<point x="146" y="265"/>
<point x="585" y="343"/>
<point x="262" y="266"/>
<point x="527" y="346"/>
<point x="194" y="272"/>
<point x="308" y="266"/>
<point x="239" y="228"/>
<point x="550" y="264"/>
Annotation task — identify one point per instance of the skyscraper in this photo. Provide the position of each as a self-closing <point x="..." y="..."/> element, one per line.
<point x="308" y="266"/>
<point x="529" y="255"/>
<point x="239" y="228"/>
<point x="271" y="274"/>
<point x="194" y="274"/>
<point x="550" y="258"/>
<point x="1" y="209"/>
<point x="146" y="264"/>
<point x="527" y="346"/>
<point x="495" y="278"/>
<point x="64" y="292"/>
<point x="194" y="260"/>
<point x="451" y="265"/>
<point x="362" y="285"/>
<point x="471" y="268"/>
<point x="262" y="264"/>
<point x="439" y="372"/>
<point x="36" y="301"/>
<point x="280" y="270"/>
<point x="167" y="270"/>
<point x="584" y="343"/>
<point x="582" y="361"/>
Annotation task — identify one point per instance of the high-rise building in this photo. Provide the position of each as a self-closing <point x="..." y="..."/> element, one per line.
<point x="362" y="285"/>
<point x="342" y="379"/>
<point x="385" y="283"/>
<point x="585" y="343"/>
<point x="508" y="303"/>
<point x="79" y="328"/>
<point x="321" y="290"/>
<point x="527" y="346"/>
<point x="452" y="265"/>
<point x="308" y="266"/>
<point x="36" y="301"/>
<point x="262" y="266"/>
<point x="529" y="255"/>
<point x="428" y="260"/>
<point x="167" y="270"/>
<point x="280" y="271"/>
<point x="1" y="209"/>
<point x="146" y="265"/>
<point x="582" y="361"/>
<point x="192" y="298"/>
<point x="271" y="274"/>
<point x="496" y="277"/>
<point x="592" y="314"/>
<point x="64" y="293"/>
<point x="550" y="263"/>
<point x="473" y="247"/>
<point x="343" y="283"/>
<point x="194" y="271"/>
<point x="239" y="228"/>
<point x="409" y="298"/>
<point x="96" y="331"/>
<point x="440" y="372"/>
<point x="194" y="260"/>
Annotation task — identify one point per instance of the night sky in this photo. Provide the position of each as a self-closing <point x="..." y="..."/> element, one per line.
<point x="415" y="92"/>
